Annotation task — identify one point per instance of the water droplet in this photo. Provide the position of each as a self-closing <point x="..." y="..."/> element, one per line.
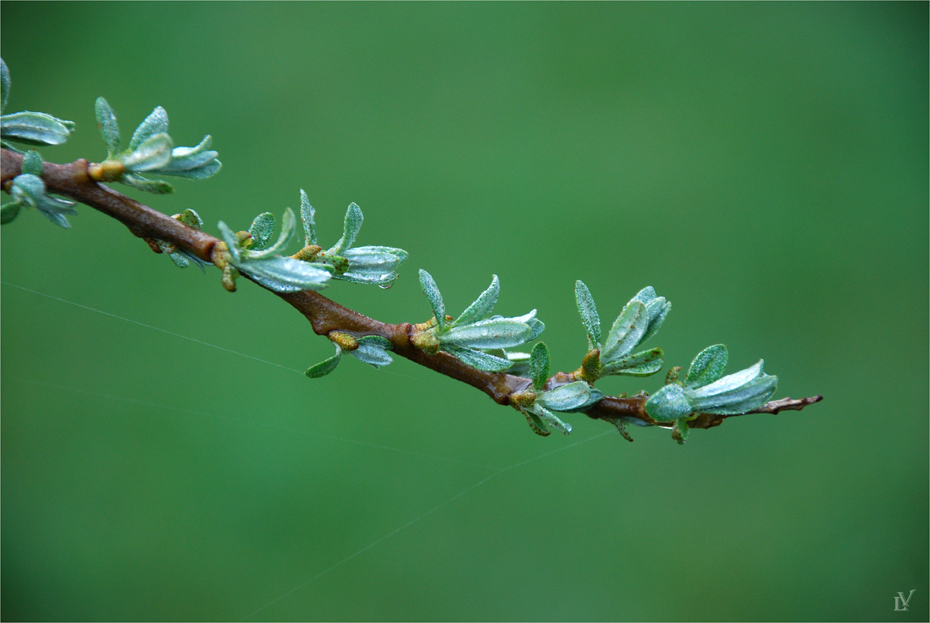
<point x="386" y="286"/>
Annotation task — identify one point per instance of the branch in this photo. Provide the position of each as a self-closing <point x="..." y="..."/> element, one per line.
<point x="74" y="181"/>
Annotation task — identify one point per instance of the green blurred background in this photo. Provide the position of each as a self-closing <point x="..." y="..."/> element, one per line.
<point x="764" y="166"/>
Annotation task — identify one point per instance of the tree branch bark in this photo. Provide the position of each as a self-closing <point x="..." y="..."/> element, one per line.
<point x="325" y="315"/>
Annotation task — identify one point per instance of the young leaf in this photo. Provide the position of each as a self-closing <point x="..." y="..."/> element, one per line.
<point x="667" y="404"/>
<point x="374" y="265"/>
<point x="156" y="187"/>
<point x="306" y="217"/>
<point x="482" y="306"/>
<point x="155" y="123"/>
<point x="490" y="333"/>
<point x="588" y="312"/>
<point x="109" y="129"/>
<point x="285" y="274"/>
<point x="351" y="226"/>
<point x="261" y="230"/>
<point x="153" y="153"/>
<point x="708" y="366"/>
<point x="431" y="290"/>
<point x="35" y="128"/>
<point x="539" y="366"/>
<point x="326" y="366"/>
<point x="372" y="350"/>
<point x="536" y="424"/>
<point x="288" y="225"/>
<point x="193" y="162"/>
<point x="478" y="359"/>
<point x="641" y="364"/>
<point x="551" y="419"/>
<point x="626" y="332"/>
<point x="565" y="397"/>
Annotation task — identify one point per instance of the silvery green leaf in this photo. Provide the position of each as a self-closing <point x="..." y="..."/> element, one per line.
<point x="372" y="350"/>
<point x="536" y="328"/>
<point x="641" y="364"/>
<point x="9" y="211"/>
<point x="155" y="123"/>
<point x="478" y="359"/>
<point x="284" y="274"/>
<point x="565" y="397"/>
<point x="626" y="332"/>
<point x="4" y="84"/>
<point x="326" y="366"/>
<point x="153" y="153"/>
<point x="657" y="308"/>
<point x="190" y="218"/>
<point x="35" y="128"/>
<point x="288" y="225"/>
<point x="261" y="230"/>
<point x="731" y="381"/>
<point x="539" y="366"/>
<point x="32" y="163"/>
<point x="669" y="403"/>
<point x="109" y="129"/>
<point x="750" y="396"/>
<point x="482" y="306"/>
<point x="232" y="243"/>
<point x="306" y="217"/>
<point x="681" y="431"/>
<point x="734" y="392"/>
<point x="29" y="189"/>
<point x="708" y="366"/>
<point x="431" y="290"/>
<point x="156" y="187"/>
<point x="536" y="423"/>
<point x="193" y="162"/>
<point x="588" y="312"/>
<point x="373" y="264"/>
<point x="551" y="418"/>
<point x="353" y="223"/>
<point x="490" y="333"/>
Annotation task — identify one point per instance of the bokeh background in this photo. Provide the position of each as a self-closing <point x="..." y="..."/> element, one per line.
<point x="764" y="166"/>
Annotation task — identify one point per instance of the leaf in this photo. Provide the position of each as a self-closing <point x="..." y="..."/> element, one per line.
<point x="288" y="225"/>
<point x="536" y="328"/>
<point x="306" y="217"/>
<point x="431" y="290"/>
<point x="681" y="431"/>
<point x="708" y="366"/>
<point x="155" y="152"/>
<point x="35" y="128"/>
<point x="483" y="305"/>
<point x="4" y="84"/>
<point x="565" y="397"/>
<point x="157" y="187"/>
<point x="536" y="424"/>
<point x="261" y="230"/>
<point x="658" y="310"/>
<point x="109" y="129"/>
<point x="155" y="123"/>
<point x="551" y="419"/>
<point x="539" y="366"/>
<point x="490" y="333"/>
<point x="326" y="366"/>
<point x="731" y="381"/>
<point x="667" y="404"/>
<point x="190" y="218"/>
<point x="478" y="359"/>
<point x="193" y="162"/>
<point x="737" y="393"/>
<point x="588" y="312"/>
<point x="373" y="265"/>
<point x="626" y="332"/>
<point x="285" y="274"/>
<point x="372" y="350"/>
<point x="350" y="228"/>
<point x="32" y="163"/>
<point x="641" y="364"/>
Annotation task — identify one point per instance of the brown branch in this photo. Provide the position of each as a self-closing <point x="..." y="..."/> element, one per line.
<point x="72" y="180"/>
